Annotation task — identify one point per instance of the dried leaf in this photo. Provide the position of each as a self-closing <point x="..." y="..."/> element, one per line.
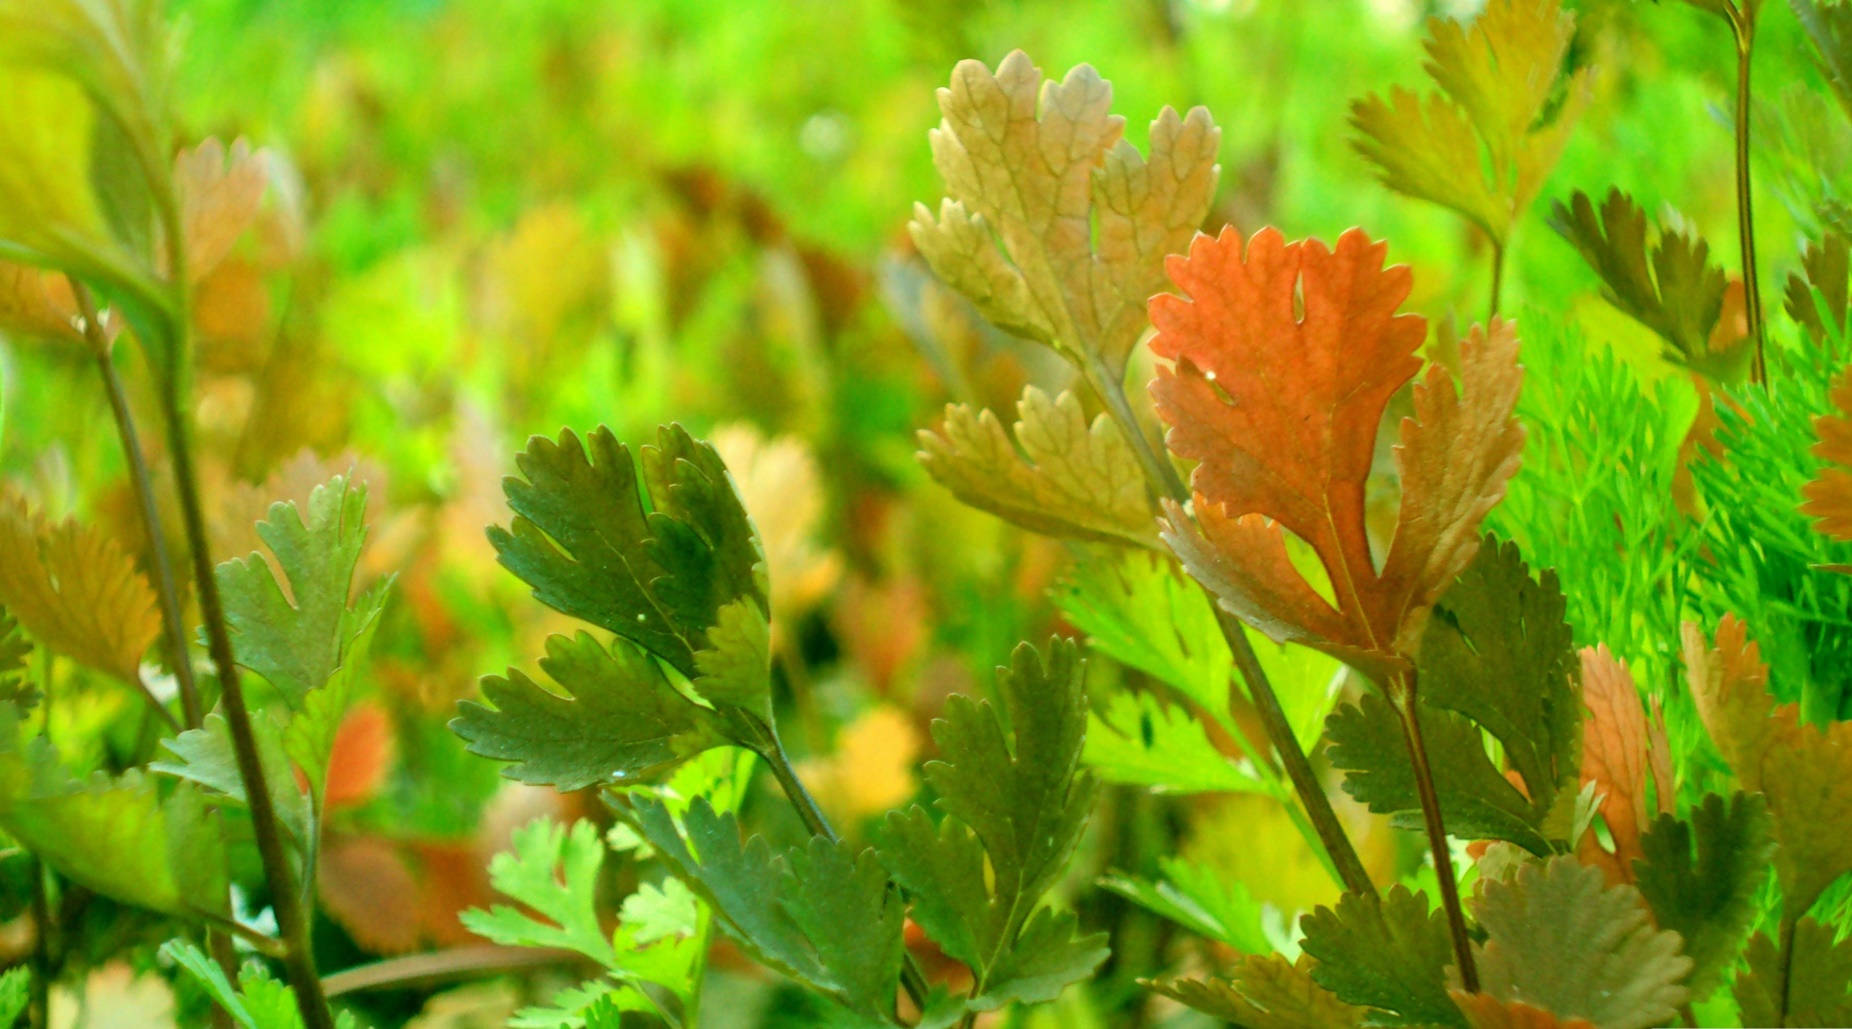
<point x="1053" y="226"/>
<point x="1484" y="1011"/>
<point x="1050" y="472"/>
<point x="1264" y="992"/>
<point x="75" y="591"/>
<point x="1558" y="939"/>
<point x="1281" y="411"/>
<point x="38" y="303"/>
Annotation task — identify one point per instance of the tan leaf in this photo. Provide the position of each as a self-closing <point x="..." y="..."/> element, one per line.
<point x="1050" y="472"/>
<point x="1281" y="409"/>
<point x="779" y="483"/>
<point x="871" y="769"/>
<point x="1614" y="759"/>
<point x="220" y="192"/>
<point x="75" y="590"/>
<point x="1083" y="219"/>
<point x="37" y="303"/>
<point x="1804" y="770"/>
<point x="1484" y="1011"/>
<point x="1828" y="498"/>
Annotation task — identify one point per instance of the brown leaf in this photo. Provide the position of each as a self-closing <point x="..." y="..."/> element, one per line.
<point x="1614" y="759"/>
<point x="1284" y="359"/>
<point x="1083" y="219"/>
<point x="75" y="590"/>
<point x="361" y="756"/>
<point x="37" y="303"/>
<point x="1484" y="1011"/>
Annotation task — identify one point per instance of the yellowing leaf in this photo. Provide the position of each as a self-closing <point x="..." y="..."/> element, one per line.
<point x="779" y="485"/>
<point x="1051" y="472"/>
<point x="1503" y="112"/>
<point x="37" y="303"/>
<point x="1828" y="498"/>
<point x="76" y="591"/>
<point x="871" y="769"/>
<point x="220" y="191"/>
<point x="46" y="203"/>
<point x="1280" y="409"/>
<point x="1805" y="771"/>
<point x="1614" y="759"/>
<point x="1040" y="171"/>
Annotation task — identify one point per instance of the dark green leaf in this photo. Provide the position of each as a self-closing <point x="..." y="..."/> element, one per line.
<point x="1389" y="952"/>
<point x="1708" y="897"/>
<point x="1816" y="983"/>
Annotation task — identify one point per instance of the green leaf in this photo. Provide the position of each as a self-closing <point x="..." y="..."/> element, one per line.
<point x="1071" y="478"/>
<point x="1829" y="27"/>
<point x="620" y="718"/>
<point x="1818" y="298"/>
<point x="15" y="993"/>
<point x="1476" y="800"/>
<point x="1557" y="938"/>
<point x="1702" y="878"/>
<point x="291" y="623"/>
<point x="1389" y="952"/>
<point x="258" y="1001"/>
<point x="1498" y="651"/>
<point x="821" y="914"/>
<point x="15" y="688"/>
<point x="1020" y="791"/>
<point x="735" y="670"/>
<point x="1201" y="900"/>
<point x="163" y="853"/>
<point x="308" y="739"/>
<point x="1676" y="292"/>
<point x="1136" y="609"/>
<point x="207" y="757"/>
<point x="554" y="872"/>
<point x="1265" y="992"/>
<point x="1048" y="953"/>
<point x="942" y="869"/>
<point x="1141" y="741"/>
<point x="1816" y="980"/>
<point x="651" y="557"/>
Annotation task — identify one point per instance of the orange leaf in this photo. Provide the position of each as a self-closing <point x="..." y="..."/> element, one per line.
<point x="1284" y="359"/>
<point x="1484" y="1011"/>
<point x="1828" y="498"/>
<point x="361" y="755"/>
<point x="1614" y="759"/>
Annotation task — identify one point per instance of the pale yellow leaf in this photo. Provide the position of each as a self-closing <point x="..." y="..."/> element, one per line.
<point x="75" y="590"/>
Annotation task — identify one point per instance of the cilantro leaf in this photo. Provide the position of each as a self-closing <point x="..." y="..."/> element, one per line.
<point x="554" y="872"/>
<point x="1387" y="952"/>
<point x="1265" y="992"/>
<point x="1702" y="877"/>
<point x="1815" y="979"/>
<point x="1141" y="741"/>
<point x="1556" y="937"/>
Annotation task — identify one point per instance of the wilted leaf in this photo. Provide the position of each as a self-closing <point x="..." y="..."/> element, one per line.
<point x="1614" y="759"/>
<point x="1389" y="952"/>
<point x="1675" y="291"/>
<point x="1708" y="897"/>
<point x="1265" y="993"/>
<point x="1557" y="938"/>
<point x="1281" y="412"/>
<point x="75" y="591"/>
<point x="1053" y="225"/>
<point x="1051" y="472"/>
<point x="1805" y="771"/>
<point x="1814" y="979"/>
<point x="1502" y="108"/>
<point x="1828" y="498"/>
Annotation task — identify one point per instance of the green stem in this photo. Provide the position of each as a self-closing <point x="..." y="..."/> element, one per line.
<point x="172" y="622"/>
<point x="38" y="1005"/>
<point x="1744" y="26"/>
<point x="1401" y="689"/>
<point x="1498" y="280"/>
<point x="1163" y="479"/>
<point x="911" y="978"/>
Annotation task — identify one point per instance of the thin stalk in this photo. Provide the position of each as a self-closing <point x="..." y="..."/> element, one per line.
<point x="1163" y="479"/>
<point x="1743" y="23"/>
<point x="446" y="966"/>
<point x="292" y="917"/>
<point x="1498" y="280"/>
<point x="911" y="978"/>
<point x="172" y="622"/>
<point x="1787" y="967"/>
<point x="1402" y="693"/>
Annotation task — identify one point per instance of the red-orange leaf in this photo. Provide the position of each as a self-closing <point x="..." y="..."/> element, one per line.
<point x="1829" y="496"/>
<point x="1614" y="759"/>
<point x="1284" y="359"/>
